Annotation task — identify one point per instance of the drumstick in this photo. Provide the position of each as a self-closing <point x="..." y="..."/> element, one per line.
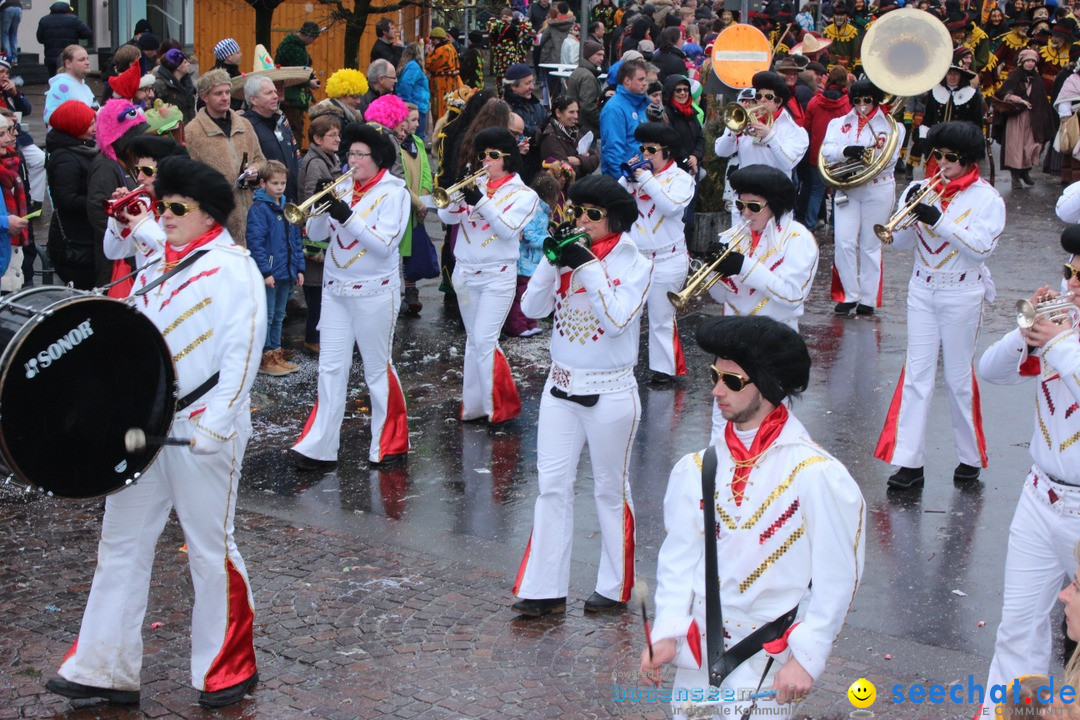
<point x="136" y="440"/>
<point x="641" y="591"/>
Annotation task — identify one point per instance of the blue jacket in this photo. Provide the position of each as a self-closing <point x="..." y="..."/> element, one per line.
<point x="619" y="118"/>
<point x="273" y="243"/>
<point x="412" y="86"/>
<point x="532" y="240"/>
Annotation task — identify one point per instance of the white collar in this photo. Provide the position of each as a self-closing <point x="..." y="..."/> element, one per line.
<point x="959" y="97"/>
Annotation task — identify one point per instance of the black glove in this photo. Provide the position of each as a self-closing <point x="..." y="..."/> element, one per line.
<point x="563" y="229"/>
<point x="340" y="211"/>
<point x="731" y="265"/>
<point x="714" y="249"/>
<point x="910" y="194"/>
<point x="854" y="151"/>
<point x="322" y="184"/>
<point x="472" y="195"/>
<point x="927" y="214"/>
<point x="575" y="255"/>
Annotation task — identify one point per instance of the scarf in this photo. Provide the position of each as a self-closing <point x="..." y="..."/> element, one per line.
<point x="174" y="254"/>
<point x="600" y="249"/>
<point x="14" y="191"/>
<point x="494" y="185"/>
<point x="959" y="184"/>
<point x="571" y="133"/>
<point x="745" y="460"/>
<point x="685" y="109"/>
<point x="360" y="191"/>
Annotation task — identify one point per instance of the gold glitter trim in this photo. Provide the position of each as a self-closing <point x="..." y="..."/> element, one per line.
<point x="776" y="555"/>
<point x="185" y="315"/>
<point x="357" y="256"/>
<point x="781" y="489"/>
<point x="1042" y="426"/>
<point x="194" y="344"/>
<point x="1068" y="442"/>
<point x="763" y="303"/>
<point x="963" y="216"/>
<point x="698" y="460"/>
<point x="948" y="257"/>
<point x="728" y="520"/>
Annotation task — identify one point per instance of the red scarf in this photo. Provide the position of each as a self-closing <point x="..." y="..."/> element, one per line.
<point x="600" y="249"/>
<point x="755" y="237"/>
<point x="174" y="255"/>
<point x="956" y="185"/>
<point x="359" y="190"/>
<point x="14" y="192"/>
<point x="686" y="109"/>
<point x="494" y="185"/>
<point x="863" y="121"/>
<point x="744" y="459"/>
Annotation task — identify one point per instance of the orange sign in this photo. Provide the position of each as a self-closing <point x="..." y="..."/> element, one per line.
<point x="738" y="52"/>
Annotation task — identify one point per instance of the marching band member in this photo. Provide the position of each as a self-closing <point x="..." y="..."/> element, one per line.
<point x="492" y="216"/>
<point x="1047" y="521"/>
<point x="857" y="269"/>
<point x="785" y="577"/>
<point x="952" y="240"/>
<point x="361" y="279"/>
<point x="206" y="296"/>
<point x="1068" y="205"/>
<point x="772" y="265"/>
<point x="662" y="195"/>
<point x="597" y="295"/>
<point x="782" y="146"/>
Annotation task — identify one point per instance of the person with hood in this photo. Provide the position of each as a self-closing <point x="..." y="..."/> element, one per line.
<point x="621" y="115"/>
<point x="668" y="56"/>
<point x="118" y="123"/>
<point x="443" y="69"/>
<point x="472" y="65"/>
<point x="174" y="84"/>
<point x="832" y="102"/>
<point x="70" y="150"/>
<point x="71" y="83"/>
<point x="584" y="86"/>
<point x="554" y="33"/>
<point x="1023" y="134"/>
<point x="680" y="113"/>
<point x="227" y="57"/>
<point x="360" y="304"/>
<point x="60" y="28"/>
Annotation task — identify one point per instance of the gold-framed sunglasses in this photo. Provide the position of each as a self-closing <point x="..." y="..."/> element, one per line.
<point x="753" y="206"/>
<point x="651" y="149"/>
<point x="1069" y="272"/>
<point x="594" y="214"/>
<point x="950" y="156"/>
<point x="147" y="170"/>
<point x="734" y="381"/>
<point x="178" y="209"/>
<point x="493" y="154"/>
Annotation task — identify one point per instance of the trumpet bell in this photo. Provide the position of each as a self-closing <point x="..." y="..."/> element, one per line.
<point x="1056" y="310"/>
<point x="318" y="203"/>
<point x="443" y="198"/>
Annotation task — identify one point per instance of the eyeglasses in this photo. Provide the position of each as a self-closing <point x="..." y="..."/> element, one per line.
<point x="358" y="154"/>
<point x="753" y="207"/>
<point x="765" y="96"/>
<point x="1069" y="272"/>
<point x="147" y="170"/>
<point x="734" y="381"/>
<point x="389" y="77"/>
<point x="493" y="154"/>
<point x="178" y="209"/>
<point x="594" y="214"/>
<point x="865" y="100"/>
<point x="949" y="156"/>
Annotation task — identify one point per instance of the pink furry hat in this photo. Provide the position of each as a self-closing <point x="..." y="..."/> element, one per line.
<point x="115" y="119"/>
<point x="387" y="110"/>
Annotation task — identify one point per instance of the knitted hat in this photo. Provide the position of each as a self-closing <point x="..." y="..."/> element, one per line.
<point x="437" y="32"/>
<point x="346" y="82"/>
<point x="116" y="120"/>
<point x="387" y="110"/>
<point x="5" y="63"/>
<point x="225" y="48"/>
<point x="126" y="84"/>
<point x="149" y="41"/>
<point x="1027" y="54"/>
<point x="73" y="118"/>
<point x="590" y="48"/>
<point x="517" y="71"/>
<point x="770" y="352"/>
<point x="189" y="178"/>
<point x="143" y="26"/>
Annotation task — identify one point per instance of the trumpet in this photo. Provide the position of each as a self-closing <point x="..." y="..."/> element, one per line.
<point x="1055" y="309"/>
<point x="628" y="169"/>
<point x="736" y="118"/>
<point x="705" y="275"/>
<point x="124" y="204"/>
<point x="560" y="239"/>
<point x="444" y="197"/>
<point x="318" y="203"/>
<point x="905" y="216"/>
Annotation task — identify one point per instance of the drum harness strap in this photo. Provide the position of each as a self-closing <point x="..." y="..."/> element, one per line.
<point x="193" y="396"/>
<point x="722" y="664"/>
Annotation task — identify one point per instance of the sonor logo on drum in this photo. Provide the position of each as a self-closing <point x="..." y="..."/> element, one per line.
<point x="56" y="350"/>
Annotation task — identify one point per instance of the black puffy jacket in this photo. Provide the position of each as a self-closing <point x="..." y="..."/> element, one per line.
<point x="67" y="170"/>
<point x="60" y="28"/>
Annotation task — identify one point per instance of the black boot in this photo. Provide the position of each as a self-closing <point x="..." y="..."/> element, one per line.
<point x="1025" y="176"/>
<point x="906" y="478"/>
<point x="229" y="695"/>
<point x="965" y="473"/>
<point x="539" y="607"/>
<point x="78" y="691"/>
<point x="1015" y="179"/>
<point x="844" y="308"/>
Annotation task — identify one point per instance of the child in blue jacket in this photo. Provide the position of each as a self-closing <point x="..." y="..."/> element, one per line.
<point x="275" y="246"/>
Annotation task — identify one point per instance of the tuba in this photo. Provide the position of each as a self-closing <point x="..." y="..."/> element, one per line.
<point x="905" y="53"/>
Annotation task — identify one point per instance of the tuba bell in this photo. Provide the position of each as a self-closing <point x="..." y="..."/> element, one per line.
<point x="905" y="53"/>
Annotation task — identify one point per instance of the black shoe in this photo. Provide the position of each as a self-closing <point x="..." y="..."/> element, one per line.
<point x="304" y="463"/>
<point x="228" y="696"/>
<point x="865" y="310"/>
<point x="598" y="603"/>
<point x="661" y="378"/>
<point x="539" y="608"/>
<point x="906" y="478"/>
<point x="78" y="691"/>
<point x="1025" y="177"/>
<point x="965" y="473"/>
<point x="389" y="461"/>
<point x="843" y="308"/>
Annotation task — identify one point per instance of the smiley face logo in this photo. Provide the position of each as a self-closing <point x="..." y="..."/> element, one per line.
<point x="862" y="693"/>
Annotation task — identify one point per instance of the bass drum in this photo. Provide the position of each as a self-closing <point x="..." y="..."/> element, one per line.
<point x="77" y="372"/>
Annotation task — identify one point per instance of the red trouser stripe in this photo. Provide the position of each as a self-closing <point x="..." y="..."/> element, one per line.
<point x="235" y="663"/>
<point x="976" y="417"/>
<point x="680" y="361"/>
<point x="628" y="552"/>
<point x="394" y="439"/>
<point x="887" y="442"/>
<point x="505" y="403"/>
<point x="837" y="286"/>
<point x="309" y="423"/>
<point x="521" y="568"/>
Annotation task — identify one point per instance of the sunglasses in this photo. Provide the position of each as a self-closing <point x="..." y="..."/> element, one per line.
<point x="950" y="156"/>
<point x="594" y="214"/>
<point x="754" y="207"/>
<point x="865" y="100"/>
<point x="764" y="96"/>
<point x="147" y="170"/>
<point x="651" y="149"/>
<point x="178" y="209"/>
<point x="1069" y="272"/>
<point x="680" y="91"/>
<point x="493" y="154"/>
<point x="734" y="381"/>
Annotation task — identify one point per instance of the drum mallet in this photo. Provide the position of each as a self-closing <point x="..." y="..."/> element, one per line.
<point x="136" y="440"/>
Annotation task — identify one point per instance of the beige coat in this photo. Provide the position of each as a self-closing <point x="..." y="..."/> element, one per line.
<point x="208" y="144"/>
